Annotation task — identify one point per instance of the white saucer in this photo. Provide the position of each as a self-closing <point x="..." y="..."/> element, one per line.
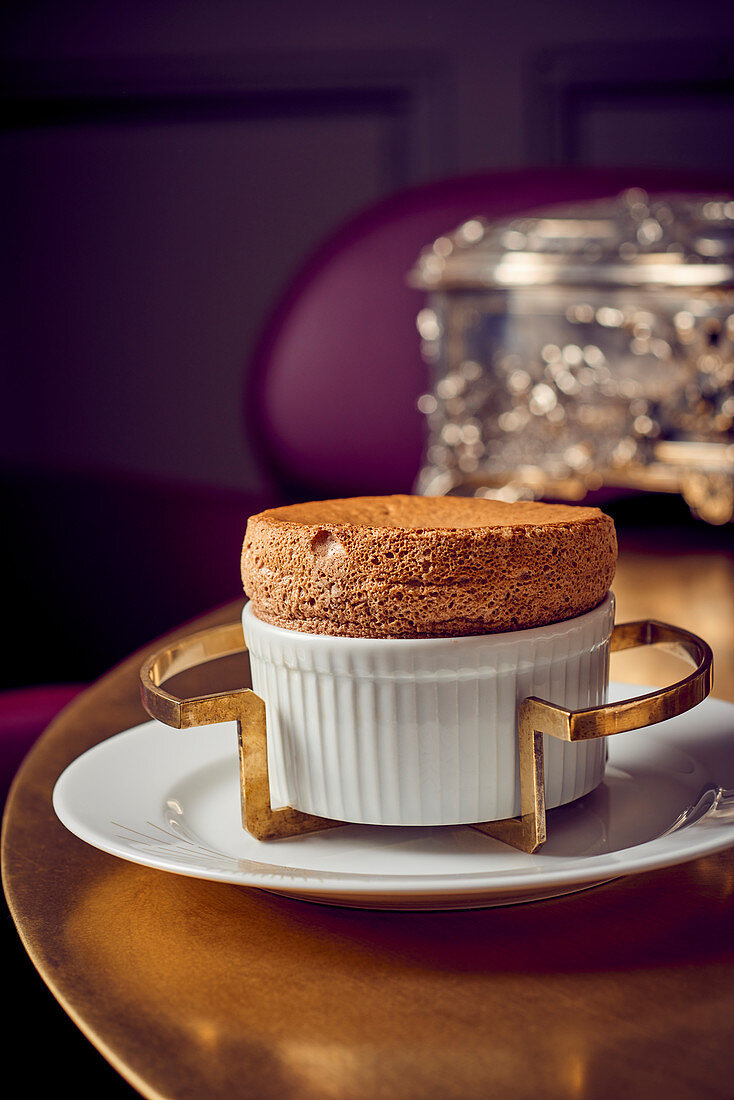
<point x="169" y="799"/>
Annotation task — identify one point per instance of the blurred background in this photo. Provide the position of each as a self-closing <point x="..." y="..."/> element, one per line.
<point x="168" y="170"/>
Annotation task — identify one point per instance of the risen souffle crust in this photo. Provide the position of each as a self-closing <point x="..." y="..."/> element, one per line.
<point x="425" y="567"/>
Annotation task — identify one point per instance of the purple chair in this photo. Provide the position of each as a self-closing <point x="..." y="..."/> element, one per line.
<point x="24" y="714"/>
<point x="330" y="400"/>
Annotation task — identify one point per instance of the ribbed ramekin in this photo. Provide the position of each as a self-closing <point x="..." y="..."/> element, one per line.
<point x="423" y="731"/>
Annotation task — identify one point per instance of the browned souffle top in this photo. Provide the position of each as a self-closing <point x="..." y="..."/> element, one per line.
<point x="425" y="567"/>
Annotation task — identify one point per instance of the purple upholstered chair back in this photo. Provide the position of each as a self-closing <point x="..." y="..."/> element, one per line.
<point x="334" y="382"/>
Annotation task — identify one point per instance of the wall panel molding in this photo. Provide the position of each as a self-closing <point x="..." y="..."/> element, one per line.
<point x="411" y="91"/>
<point x="564" y="86"/>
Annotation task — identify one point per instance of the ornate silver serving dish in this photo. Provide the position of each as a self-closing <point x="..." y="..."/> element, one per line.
<point x="581" y="348"/>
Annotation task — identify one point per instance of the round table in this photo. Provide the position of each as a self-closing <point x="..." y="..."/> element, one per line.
<point x="195" y="989"/>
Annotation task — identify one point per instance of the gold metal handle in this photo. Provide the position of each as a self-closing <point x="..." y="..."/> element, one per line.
<point x="242" y="706"/>
<point x="194" y="649"/>
<point x="536" y="717"/>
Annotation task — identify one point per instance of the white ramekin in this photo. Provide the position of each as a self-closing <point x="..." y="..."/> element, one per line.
<point x="423" y="731"/>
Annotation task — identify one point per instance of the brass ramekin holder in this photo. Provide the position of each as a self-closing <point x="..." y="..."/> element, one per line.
<point x="535" y="718"/>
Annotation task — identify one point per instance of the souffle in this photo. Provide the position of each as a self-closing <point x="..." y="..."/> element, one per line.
<point x="425" y="567"/>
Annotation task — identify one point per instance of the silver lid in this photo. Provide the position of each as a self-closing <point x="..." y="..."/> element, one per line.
<point x="633" y="240"/>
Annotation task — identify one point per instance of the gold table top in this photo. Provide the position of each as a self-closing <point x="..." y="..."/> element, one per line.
<point x="196" y="989"/>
